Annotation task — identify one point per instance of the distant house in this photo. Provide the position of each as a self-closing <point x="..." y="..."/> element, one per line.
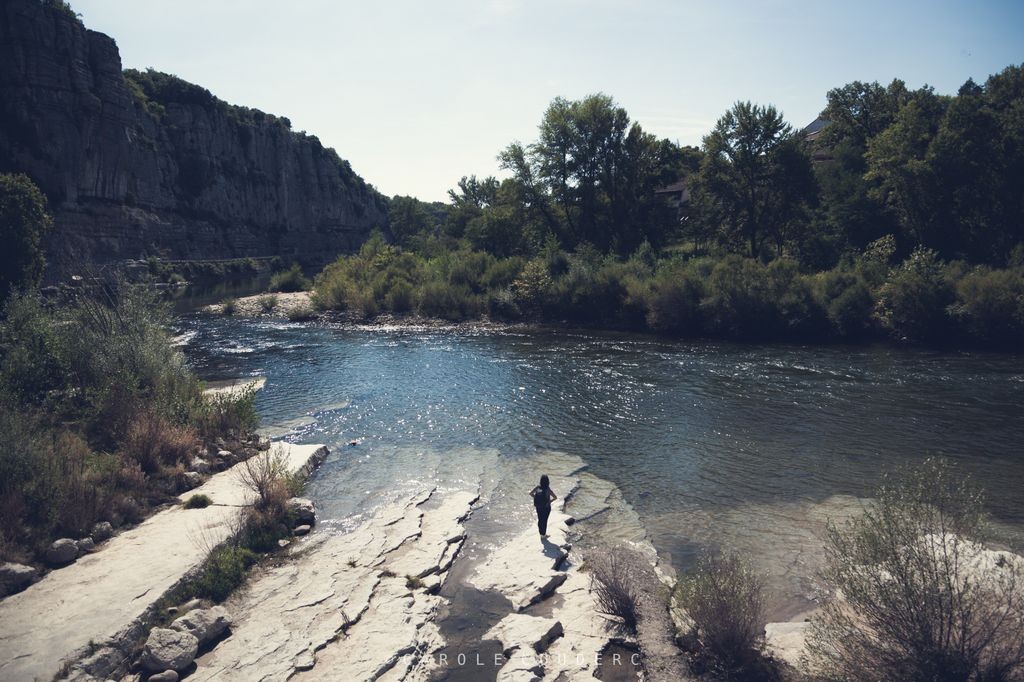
<point x="677" y="195"/>
<point x="812" y="134"/>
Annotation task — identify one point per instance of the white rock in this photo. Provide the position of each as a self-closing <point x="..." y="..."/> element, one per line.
<point x="13" y="576"/>
<point x="786" y="641"/>
<point x="301" y="530"/>
<point x="61" y="552"/>
<point x="165" y="676"/>
<point x="199" y="465"/>
<point x="102" y="531"/>
<point x="205" y="625"/>
<point x="168" y="649"/>
<point x="304" y="510"/>
<point x="520" y="631"/>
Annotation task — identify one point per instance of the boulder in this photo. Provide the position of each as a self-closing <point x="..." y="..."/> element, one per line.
<point x="61" y="552"/>
<point x="303" y="509"/>
<point x="168" y="649"/>
<point x="191" y="479"/>
<point x="205" y="625"/>
<point x="14" y="577"/>
<point x="85" y="545"/>
<point x="165" y="676"/>
<point x="301" y="530"/>
<point x="102" y="531"/>
<point x="199" y="465"/>
<point x="226" y="455"/>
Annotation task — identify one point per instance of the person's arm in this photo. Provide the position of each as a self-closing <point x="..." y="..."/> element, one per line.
<point x="553" y="495"/>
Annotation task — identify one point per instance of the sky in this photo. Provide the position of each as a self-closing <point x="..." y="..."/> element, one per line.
<point x="417" y="94"/>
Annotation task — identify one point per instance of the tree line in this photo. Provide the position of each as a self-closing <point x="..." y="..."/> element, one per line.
<point x="901" y="216"/>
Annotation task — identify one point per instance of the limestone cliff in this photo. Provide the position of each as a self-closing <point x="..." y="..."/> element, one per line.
<point x="140" y="164"/>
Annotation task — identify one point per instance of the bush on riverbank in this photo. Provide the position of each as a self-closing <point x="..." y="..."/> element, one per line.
<point x="99" y="414"/>
<point x="915" y="596"/>
<point x="920" y="300"/>
<point x="290" y="280"/>
<point x="725" y="600"/>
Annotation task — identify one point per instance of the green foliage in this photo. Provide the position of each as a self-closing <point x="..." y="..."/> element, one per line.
<point x="223" y="572"/>
<point x="197" y="501"/>
<point x="268" y="303"/>
<point x="99" y="411"/>
<point x="290" y="280"/>
<point x="912" y="302"/>
<point x="755" y="181"/>
<point x="913" y="597"/>
<point x="724" y="598"/>
<point x="23" y="224"/>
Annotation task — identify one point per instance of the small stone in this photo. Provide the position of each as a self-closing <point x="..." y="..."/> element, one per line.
<point x="205" y="625"/>
<point x="62" y="552"/>
<point x="102" y="531"/>
<point x="301" y="530"/>
<point x="14" y="577"/>
<point x="283" y="543"/>
<point x="168" y="649"/>
<point x="85" y="545"/>
<point x="225" y="454"/>
<point x="303" y="509"/>
<point x="192" y="479"/>
<point x="172" y="610"/>
<point x="570" y="521"/>
<point x="165" y="676"/>
<point x="199" y="465"/>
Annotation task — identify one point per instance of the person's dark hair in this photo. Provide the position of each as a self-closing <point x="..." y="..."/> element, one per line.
<point x="544" y="483"/>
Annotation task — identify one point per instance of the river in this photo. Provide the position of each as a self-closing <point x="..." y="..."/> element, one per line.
<point x="707" y="444"/>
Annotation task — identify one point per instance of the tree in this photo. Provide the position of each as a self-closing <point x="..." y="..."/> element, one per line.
<point x="592" y="174"/>
<point x="755" y="180"/>
<point x="857" y="113"/>
<point x="23" y="224"/>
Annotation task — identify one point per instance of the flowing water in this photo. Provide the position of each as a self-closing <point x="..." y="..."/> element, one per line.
<point x="707" y="444"/>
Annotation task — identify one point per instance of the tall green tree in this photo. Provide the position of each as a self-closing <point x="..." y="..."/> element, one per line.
<point x="850" y="217"/>
<point x="755" y="182"/>
<point x="591" y="175"/>
<point x="24" y="222"/>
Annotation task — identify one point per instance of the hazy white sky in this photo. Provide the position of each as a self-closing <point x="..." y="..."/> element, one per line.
<point x="417" y="94"/>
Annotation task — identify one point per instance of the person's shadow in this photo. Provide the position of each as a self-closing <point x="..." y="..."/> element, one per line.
<point x="553" y="551"/>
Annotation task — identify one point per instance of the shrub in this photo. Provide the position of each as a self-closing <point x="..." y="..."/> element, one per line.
<point x="268" y="303"/>
<point x="912" y="302"/>
<point x="990" y="306"/>
<point x="155" y="443"/>
<point x="614" y="582"/>
<point x="290" y="280"/>
<point x="266" y="475"/>
<point x="725" y="599"/>
<point x="673" y="301"/>
<point x="226" y="413"/>
<point x="301" y="314"/>
<point x="228" y="306"/>
<point x="198" y="501"/>
<point x="223" y="571"/>
<point x="24" y="222"/>
<point x="914" y="595"/>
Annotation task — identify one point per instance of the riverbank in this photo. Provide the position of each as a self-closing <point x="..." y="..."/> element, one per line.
<point x="93" y="612"/>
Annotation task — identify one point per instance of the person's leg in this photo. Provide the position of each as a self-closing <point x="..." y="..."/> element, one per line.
<point x="542" y="520"/>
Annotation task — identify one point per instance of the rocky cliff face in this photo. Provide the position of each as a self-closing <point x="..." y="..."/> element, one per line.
<point x="143" y="164"/>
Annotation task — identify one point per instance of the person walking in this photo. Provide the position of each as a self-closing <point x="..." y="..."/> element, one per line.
<point x="543" y="496"/>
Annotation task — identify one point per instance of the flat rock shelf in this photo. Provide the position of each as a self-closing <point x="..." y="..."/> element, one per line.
<point x="105" y="596"/>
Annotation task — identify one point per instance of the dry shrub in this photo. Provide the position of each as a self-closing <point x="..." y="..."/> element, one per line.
<point x="154" y="442"/>
<point x="615" y="582"/>
<point x="725" y="600"/>
<point x="916" y="595"/>
<point x="267" y="476"/>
